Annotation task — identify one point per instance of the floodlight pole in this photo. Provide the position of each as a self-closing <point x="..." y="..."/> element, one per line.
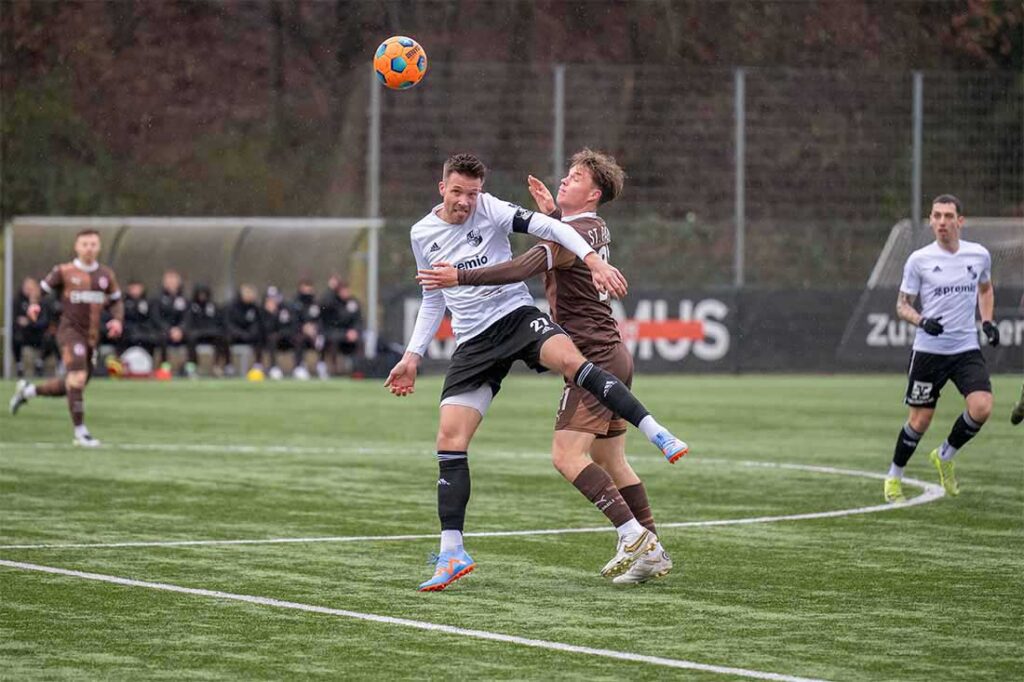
<point x="9" y="300"/>
<point x="739" y="209"/>
<point x="558" y="141"/>
<point x="372" y="211"/>
<point x="915" y="191"/>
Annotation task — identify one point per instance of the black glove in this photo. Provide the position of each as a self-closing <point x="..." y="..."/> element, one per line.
<point x="991" y="332"/>
<point x="931" y="325"/>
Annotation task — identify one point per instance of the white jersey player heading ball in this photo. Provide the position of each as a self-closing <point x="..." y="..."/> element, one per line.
<point x="495" y="326"/>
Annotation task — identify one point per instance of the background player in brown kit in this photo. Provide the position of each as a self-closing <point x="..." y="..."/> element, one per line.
<point x="583" y="425"/>
<point x="86" y="288"/>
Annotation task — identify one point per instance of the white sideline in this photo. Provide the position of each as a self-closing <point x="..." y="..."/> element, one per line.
<point x="418" y="624"/>
<point x="931" y="492"/>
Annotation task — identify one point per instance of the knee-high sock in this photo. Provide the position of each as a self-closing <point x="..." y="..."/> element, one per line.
<point x="453" y="488"/>
<point x="906" y="443"/>
<point x="76" y="406"/>
<point x="964" y="429"/>
<point x="598" y="487"/>
<point x="636" y="497"/>
<point x="610" y="392"/>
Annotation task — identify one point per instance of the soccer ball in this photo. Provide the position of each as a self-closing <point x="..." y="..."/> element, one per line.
<point x="400" y="62"/>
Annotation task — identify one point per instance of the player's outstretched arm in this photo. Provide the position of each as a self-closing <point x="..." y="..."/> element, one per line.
<point x="402" y="379"/>
<point x="526" y="265"/>
<point x="541" y="196"/>
<point x="607" y="277"/>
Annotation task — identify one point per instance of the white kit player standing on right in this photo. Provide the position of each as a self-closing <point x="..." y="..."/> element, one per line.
<point x="952" y="277"/>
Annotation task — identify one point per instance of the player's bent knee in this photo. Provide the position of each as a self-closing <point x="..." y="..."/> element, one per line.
<point x="569" y="463"/>
<point x="75" y="380"/>
<point x="979" y="406"/>
<point x="559" y="354"/>
<point x="451" y="438"/>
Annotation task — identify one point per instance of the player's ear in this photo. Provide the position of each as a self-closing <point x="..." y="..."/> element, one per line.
<point x="440" y="187"/>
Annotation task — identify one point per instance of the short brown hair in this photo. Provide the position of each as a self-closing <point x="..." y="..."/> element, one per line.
<point x="464" y="164"/>
<point x="606" y="172"/>
<point x="949" y="199"/>
<point x="87" y="232"/>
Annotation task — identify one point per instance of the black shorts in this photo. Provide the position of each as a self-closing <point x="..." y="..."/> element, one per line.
<point x="929" y="372"/>
<point x="487" y="357"/>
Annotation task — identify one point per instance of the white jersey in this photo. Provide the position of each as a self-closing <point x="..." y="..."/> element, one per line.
<point x="481" y="241"/>
<point x="947" y="284"/>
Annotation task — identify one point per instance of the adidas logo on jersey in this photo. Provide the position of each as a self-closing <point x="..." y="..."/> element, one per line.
<point x="434" y="247"/>
<point x="936" y="269"/>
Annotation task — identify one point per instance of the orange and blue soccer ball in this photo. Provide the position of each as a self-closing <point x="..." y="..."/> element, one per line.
<point x="400" y="62"/>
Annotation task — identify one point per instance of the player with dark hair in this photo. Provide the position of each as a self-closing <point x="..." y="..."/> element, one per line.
<point x="495" y="326"/>
<point x="86" y="289"/>
<point x="953" y="277"/>
<point x="583" y="425"/>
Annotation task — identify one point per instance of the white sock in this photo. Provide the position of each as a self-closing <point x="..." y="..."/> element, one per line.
<point x="81" y="431"/>
<point x="946" y="451"/>
<point x="650" y="427"/>
<point x="895" y="471"/>
<point x="30" y="391"/>
<point x="451" y="541"/>
<point x="631" y="527"/>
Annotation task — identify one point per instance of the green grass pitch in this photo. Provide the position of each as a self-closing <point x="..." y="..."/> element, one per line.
<point x="934" y="591"/>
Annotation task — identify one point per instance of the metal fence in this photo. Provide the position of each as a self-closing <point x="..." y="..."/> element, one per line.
<point x="765" y="177"/>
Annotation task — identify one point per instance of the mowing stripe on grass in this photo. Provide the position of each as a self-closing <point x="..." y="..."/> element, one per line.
<point x="418" y="624"/>
<point x="931" y="492"/>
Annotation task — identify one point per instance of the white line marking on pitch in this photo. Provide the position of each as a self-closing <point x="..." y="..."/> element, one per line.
<point x="931" y="493"/>
<point x="418" y="624"/>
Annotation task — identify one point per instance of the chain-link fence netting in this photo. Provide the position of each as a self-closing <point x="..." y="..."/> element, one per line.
<point x="828" y="159"/>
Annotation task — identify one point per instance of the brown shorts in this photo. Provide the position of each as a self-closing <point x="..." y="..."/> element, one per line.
<point x="579" y="409"/>
<point x="76" y="354"/>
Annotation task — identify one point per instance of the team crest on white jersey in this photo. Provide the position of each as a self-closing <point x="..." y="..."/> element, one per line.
<point x="474" y="237"/>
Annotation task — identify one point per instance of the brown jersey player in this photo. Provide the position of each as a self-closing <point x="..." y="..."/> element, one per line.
<point x="583" y="426"/>
<point x="85" y="289"/>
